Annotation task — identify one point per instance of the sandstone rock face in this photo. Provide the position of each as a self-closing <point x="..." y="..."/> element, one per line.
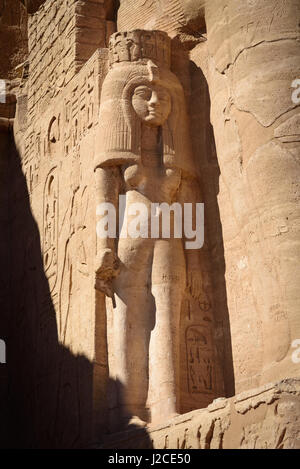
<point x="171" y="16"/>
<point x="263" y="418"/>
<point x="161" y="344"/>
<point x="13" y="37"/>
<point x="249" y="66"/>
<point x="250" y="72"/>
<point x="52" y="246"/>
<point x="189" y="102"/>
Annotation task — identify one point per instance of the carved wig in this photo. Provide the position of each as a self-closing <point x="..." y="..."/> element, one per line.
<point x="119" y="138"/>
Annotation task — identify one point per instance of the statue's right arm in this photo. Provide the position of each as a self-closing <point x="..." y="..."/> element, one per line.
<point x="108" y="183"/>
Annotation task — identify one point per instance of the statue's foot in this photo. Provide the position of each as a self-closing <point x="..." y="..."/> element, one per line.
<point x="163" y="411"/>
<point x="156" y="420"/>
<point x="137" y="422"/>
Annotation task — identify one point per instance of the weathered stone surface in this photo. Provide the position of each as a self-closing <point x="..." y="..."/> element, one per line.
<point x="249" y="62"/>
<point x="13" y="37"/>
<point x="161" y="342"/>
<point x="263" y="418"/>
<point x="172" y="16"/>
<point x="251" y="69"/>
<point x="191" y="101"/>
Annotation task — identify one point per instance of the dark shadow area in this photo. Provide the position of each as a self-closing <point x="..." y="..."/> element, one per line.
<point x="32" y="5"/>
<point x="49" y="389"/>
<point x="111" y="8"/>
<point x="48" y="393"/>
<point x="131" y="435"/>
<point x="4" y="272"/>
<point x="13" y="37"/>
<point x="204" y="148"/>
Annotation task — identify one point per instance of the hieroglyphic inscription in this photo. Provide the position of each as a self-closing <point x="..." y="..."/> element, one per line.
<point x="79" y="113"/>
<point x="32" y="159"/>
<point x="200" y="360"/>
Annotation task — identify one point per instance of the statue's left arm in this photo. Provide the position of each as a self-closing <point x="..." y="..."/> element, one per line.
<point x="108" y="181"/>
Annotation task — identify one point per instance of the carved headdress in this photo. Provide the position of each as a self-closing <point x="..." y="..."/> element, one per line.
<point x="140" y="58"/>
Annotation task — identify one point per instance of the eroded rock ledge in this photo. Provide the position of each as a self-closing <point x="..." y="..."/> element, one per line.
<point x="267" y="417"/>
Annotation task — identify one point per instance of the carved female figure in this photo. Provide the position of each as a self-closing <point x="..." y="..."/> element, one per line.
<point x="143" y="152"/>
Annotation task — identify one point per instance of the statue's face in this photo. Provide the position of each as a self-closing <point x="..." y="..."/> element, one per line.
<point x="152" y="104"/>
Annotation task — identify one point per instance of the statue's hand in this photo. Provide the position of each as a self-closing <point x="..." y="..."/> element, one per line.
<point x="107" y="267"/>
<point x="107" y="264"/>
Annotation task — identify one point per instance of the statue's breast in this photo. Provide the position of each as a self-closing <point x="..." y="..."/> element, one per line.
<point x="155" y="182"/>
<point x="132" y="176"/>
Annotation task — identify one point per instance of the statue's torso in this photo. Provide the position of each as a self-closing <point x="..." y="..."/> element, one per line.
<point x="157" y="184"/>
<point x="150" y="177"/>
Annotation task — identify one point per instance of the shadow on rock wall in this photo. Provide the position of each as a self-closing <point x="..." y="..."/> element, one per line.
<point x="205" y="152"/>
<point x="49" y="391"/>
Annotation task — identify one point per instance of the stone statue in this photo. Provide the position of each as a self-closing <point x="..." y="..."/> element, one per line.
<point x="143" y="152"/>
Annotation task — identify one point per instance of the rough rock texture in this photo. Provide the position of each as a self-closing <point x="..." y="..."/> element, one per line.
<point x="172" y="16"/>
<point x="53" y="260"/>
<point x="252" y="64"/>
<point x="50" y="230"/>
<point x="62" y="36"/>
<point x="186" y="329"/>
<point x="13" y="37"/>
<point x="263" y="418"/>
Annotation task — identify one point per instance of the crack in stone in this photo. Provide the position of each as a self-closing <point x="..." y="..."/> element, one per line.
<point x="223" y="72"/>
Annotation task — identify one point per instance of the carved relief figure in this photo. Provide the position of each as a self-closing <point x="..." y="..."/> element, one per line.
<point x="50" y="228"/>
<point x="199" y="356"/>
<point x="143" y="151"/>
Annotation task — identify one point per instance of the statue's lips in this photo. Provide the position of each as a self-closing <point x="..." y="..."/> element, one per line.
<point x="155" y="114"/>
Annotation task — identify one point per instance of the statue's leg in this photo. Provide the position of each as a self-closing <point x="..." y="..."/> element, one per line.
<point x="168" y="284"/>
<point x="132" y="322"/>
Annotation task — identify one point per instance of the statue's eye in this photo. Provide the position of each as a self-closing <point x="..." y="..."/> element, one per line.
<point x="143" y="93"/>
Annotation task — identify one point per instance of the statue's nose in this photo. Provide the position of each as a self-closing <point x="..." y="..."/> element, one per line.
<point x="154" y="99"/>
